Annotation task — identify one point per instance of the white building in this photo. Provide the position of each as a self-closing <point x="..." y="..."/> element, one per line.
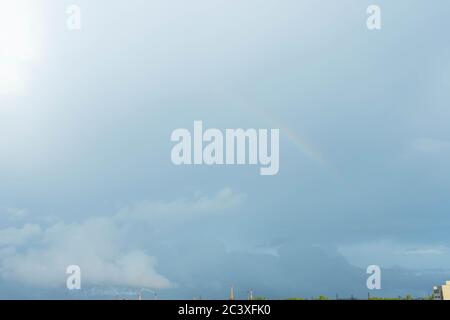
<point x="442" y="292"/>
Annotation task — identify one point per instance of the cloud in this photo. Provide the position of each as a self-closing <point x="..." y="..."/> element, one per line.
<point x="388" y="253"/>
<point x="14" y="214"/>
<point x="102" y="246"/>
<point x="279" y="276"/>
<point x="95" y="246"/>
<point x="18" y="236"/>
<point x="426" y="251"/>
<point x="182" y="209"/>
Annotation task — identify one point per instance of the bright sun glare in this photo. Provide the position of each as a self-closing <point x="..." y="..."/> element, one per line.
<point x="17" y="43"/>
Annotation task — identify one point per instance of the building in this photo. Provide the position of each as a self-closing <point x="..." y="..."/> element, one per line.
<point x="442" y="292"/>
<point x="437" y="295"/>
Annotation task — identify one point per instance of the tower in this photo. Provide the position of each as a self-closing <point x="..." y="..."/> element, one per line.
<point x="232" y="293"/>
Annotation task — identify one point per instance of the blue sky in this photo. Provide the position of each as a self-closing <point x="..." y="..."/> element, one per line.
<point x="85" y="169"/>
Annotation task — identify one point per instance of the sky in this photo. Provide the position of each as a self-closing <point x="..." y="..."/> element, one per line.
<point x="86" y="176"/>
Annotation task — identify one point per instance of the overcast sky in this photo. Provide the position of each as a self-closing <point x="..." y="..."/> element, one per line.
<point x="86" y="176"/>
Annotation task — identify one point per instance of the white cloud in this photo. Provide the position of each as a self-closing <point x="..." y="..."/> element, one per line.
<point x="182" y="209"/>
<point x="14" y="213"/>
<point x="99" y="245"/>
<point x="388" y="253"/>
<point x="95" y="246"/>
<point x="426" y="251"/>
<point x="18" y="236"/>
